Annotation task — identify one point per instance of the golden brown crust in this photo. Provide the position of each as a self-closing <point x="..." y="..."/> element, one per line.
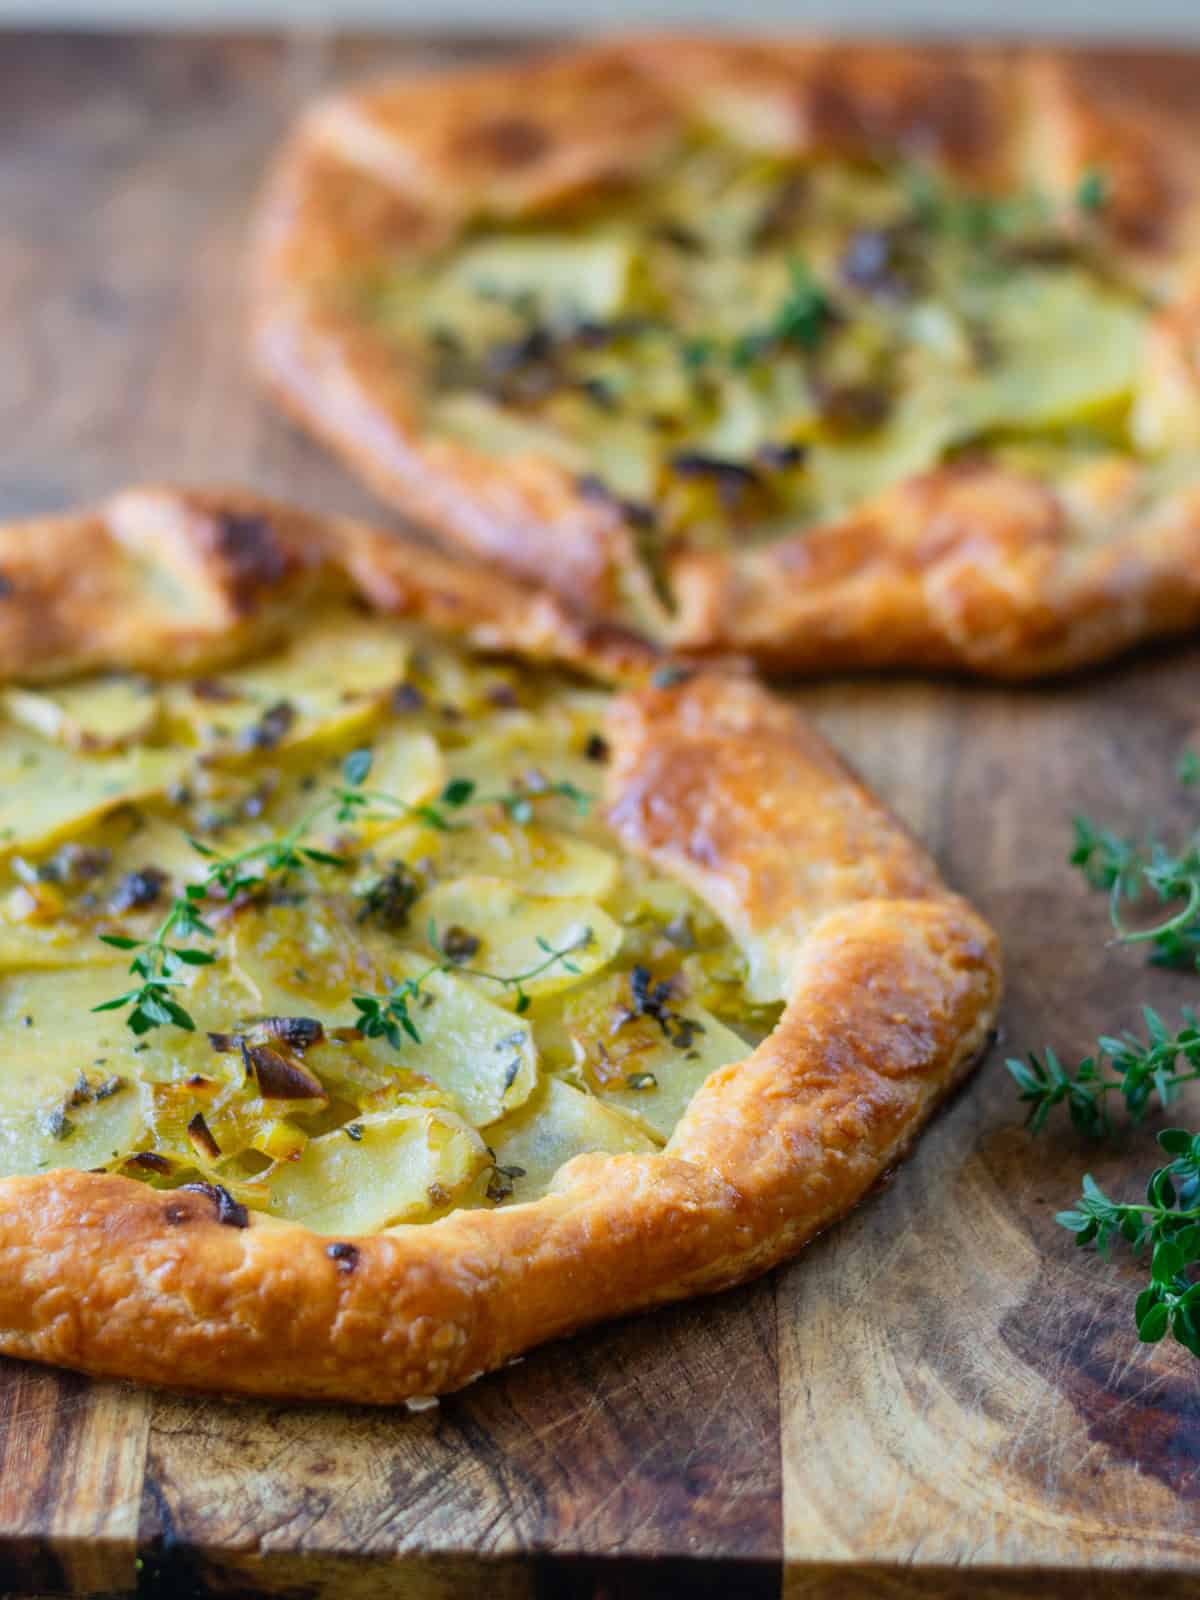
<point x="890" y="982"/>
<point x="170" y="580"/>
<point x="1001" y="585"/>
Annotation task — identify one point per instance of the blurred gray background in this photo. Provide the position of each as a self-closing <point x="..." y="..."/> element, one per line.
<point x="1149" y="19"/>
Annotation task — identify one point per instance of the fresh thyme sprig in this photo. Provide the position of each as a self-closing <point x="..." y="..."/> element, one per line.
<point x="1169" y="1224"/>
<point x="354" y="801"/>
<point x="1131" y="874"/>
<point x="1136" y="1071"/>
<point x="1140" y="1072"/>
<point x="517" y="801"/>
<point x="390" y="1017"/>
<point x="160" y="964"/>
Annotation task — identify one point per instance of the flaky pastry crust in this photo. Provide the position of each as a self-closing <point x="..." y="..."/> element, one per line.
<point x="891" y="986"/>
<point x="967" y="567"/>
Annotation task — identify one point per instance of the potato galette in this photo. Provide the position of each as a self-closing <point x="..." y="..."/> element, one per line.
<point x="372" y="1008"/>
<point x="836" y="356"/>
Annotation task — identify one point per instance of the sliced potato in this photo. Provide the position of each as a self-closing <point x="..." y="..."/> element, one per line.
<point x="49" y="1032"/>
<point x="650" y="1069"/>
<point x="620" y="449"/>
<point x="300" y="960"/>
<point x="331" y="681"/>
<point x="48" y="924"/>
<point x="361" y="1070"/>
<point x="543" y="860"/>
<point x="405" y="1165"/>
<point x="306" y="961"/>
<point x="297" y="960"/>
<point x="589" y="275"/>
<point x="545" y="943"/>
<point x="550" y="743"/>
<point x="61" y="943"/>
<point x="407" y="767"/>
<point x="98" y="714"/>
<point x="470" y="1047"/>
<point x="97" y="1133"/>
<point x="556" y="1124"/>
<point x="48" y="793"/>
<point x="483" y="424"/>
<point x="45" y="923"/>
<point x="1066" y="348"/>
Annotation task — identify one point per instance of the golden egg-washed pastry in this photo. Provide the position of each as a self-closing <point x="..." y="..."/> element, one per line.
<point x="396" y="972"/>
<point x="838" y="356"/>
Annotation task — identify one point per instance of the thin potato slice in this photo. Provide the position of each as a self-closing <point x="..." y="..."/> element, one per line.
<point x="648" y="1065"/>
<point x="543" y="861"/>
<point x="1067" y="348"/>
<point x="330" y="682"/>
<point x="50" y="1031"/>
<point x="470" y="1047"/>
<point x="402" y="1166"/>
<point x="97" y="1133"/>
<point x="296" y="961"/>
<point x="550" y="746"/>
<point x="293" y="961"/>
<point x="562" y="275"/>
<point x="536" y="942"/>
<point x="407" y="768"/>
<point x="300" y="960"/>
<point x="48" y="923"/>
<point x="60" y="943"/>
<point x="97" y="714"/>
<point x="556" y="1124"/>
<point x="48" y="793"/>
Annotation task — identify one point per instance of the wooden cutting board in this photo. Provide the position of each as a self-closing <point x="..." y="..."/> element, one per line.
<point x="942" y="1397"/>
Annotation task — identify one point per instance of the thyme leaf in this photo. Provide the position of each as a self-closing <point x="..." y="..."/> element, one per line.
<point x="1093" y="191"/>
<point x="801" y="319"/>
<point x="1168" y="1225"/>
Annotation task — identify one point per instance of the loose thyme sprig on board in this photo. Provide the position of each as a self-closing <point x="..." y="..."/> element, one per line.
<point x="159" y="964"/>
<point x="1139" y="1072"/>
<point x="1133" y="874"/>
<point x="1169" y="1224"/>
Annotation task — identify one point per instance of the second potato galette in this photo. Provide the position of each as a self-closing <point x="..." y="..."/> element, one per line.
<point x="837" y="357"/>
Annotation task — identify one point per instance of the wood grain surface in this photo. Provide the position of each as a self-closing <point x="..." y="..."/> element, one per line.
<point x="941" y="1398"/>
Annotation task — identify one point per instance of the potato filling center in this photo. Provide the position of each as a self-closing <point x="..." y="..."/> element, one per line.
<point x="744" y="347"/>
<point x="341" y="933"/>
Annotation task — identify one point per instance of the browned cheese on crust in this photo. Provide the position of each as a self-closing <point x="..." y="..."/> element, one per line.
<point x="972" y="565"/>
<point x="890" y="984"/>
